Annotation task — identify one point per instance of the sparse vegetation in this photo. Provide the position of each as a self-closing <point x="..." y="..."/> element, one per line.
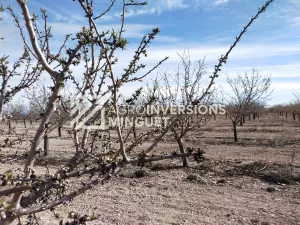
<point x="248" y="92"/>
<point x="49" y="174"/>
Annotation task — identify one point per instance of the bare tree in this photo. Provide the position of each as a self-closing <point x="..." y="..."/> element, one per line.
<point x="248" y="90"/>
<point x="27" y="77"/>
<point x="31" y="192"/>
<point x="38" y="95"/>
<point x="16" y="109"/>
<point x="183" y="90"/>
<point x="294" y="107"/>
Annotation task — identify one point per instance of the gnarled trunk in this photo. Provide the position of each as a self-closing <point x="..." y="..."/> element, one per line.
<point x="235" y="132"/>
<point x="181" y="146"/>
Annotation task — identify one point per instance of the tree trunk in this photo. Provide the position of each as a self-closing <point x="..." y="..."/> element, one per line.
<point x="76" y="140"/>
<point x="24" y="120"/>
<point x="235" y="132"/>
<point x="243" y="118"/>
<point x="85" y="138"/>
<point x="185" y="160"/>
<point x="9" y="127"/>
<point x="294" y="116"/>
<point x="30" y="119"/>
<point x="46" y="144"/>
<point x="1" y="111"/>
<point x="2" y="93"/>
<point x="134" y="130"/>
<point x="59" y="131"/>
<point x="241" y="122"/>
<point x="180" y="143"/>
<point x="41" y="129"/>
<point x="285" y="114"/>
<point x="249" y="117"/>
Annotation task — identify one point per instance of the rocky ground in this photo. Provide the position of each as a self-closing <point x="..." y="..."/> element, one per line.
<point x="256" y="181"/>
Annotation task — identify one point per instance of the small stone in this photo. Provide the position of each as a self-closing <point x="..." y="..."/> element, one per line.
<point x="271" y="189"/>
<point x="140" y="173"/>
<point x="221" y="181"/>
<point x="192" y="177"/>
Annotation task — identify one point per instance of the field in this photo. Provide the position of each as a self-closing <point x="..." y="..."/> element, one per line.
<point x="254" y="181"/>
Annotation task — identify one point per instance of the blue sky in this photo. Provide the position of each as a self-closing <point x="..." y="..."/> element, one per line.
<point x="205" y="27"/>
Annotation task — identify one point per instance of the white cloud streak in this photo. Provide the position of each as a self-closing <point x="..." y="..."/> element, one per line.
<point x="220" y="2"/>
<point x="295" y="21"/>
<point x="158" y="7"/>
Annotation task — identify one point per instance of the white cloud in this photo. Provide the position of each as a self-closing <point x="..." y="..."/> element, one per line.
<point x="172" y="4"/>
<point x="157" y="7"/>
<point x="152" y="10"/>
<point x="208" y="4"/>
<point x="220" y="2"/>
<point x="295" y="21"/>
<point x="242" y="53"/>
